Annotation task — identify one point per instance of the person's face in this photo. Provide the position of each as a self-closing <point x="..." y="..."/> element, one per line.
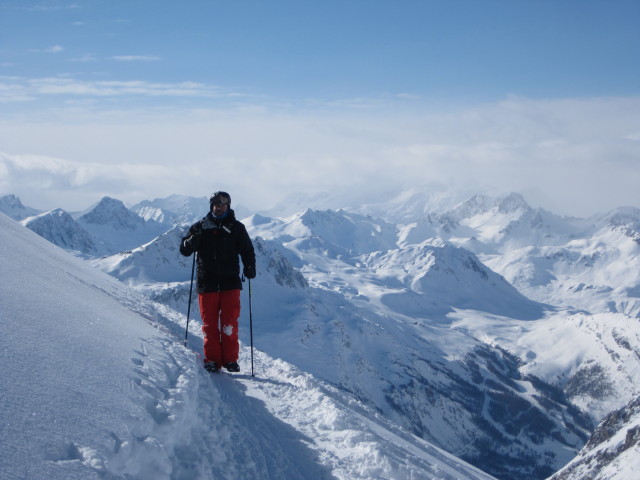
<point x="219" y="207"/>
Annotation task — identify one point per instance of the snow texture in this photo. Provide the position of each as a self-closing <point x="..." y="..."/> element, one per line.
<point x="97" y="384"/>
<point x="388" y="333"/>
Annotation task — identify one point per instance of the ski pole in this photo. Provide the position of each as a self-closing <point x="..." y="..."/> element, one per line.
<point x="186" y="330"/>
<point x="251" y="327"/>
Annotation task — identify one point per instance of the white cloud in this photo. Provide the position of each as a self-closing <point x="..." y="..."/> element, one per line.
<point x="87" y="57"/>
<point x="136" y="58"/>
<point x="51" y="49"/>
<point x="49" y="182"/>
<point x="571" y="156"/>
<point x="45" y="7"/>
<point x="14" y="92"/>
<point x="19" y="89"/>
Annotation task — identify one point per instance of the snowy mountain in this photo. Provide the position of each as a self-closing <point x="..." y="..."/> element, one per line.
<point x="116" y="228"/>
<point x="155" y="269"/>
<point x="155" y="261"/>
<point x="488" y="225"/>
<point x="173" y="210"/>
<point x="344" y="320"/>
<point x="586" y="264"/>
<point x="97" y="384"/>
<point x="439" y="278"/>
<point x="336" y="234"/>
<point x="106" y="228"/>
<point x="178" y="209"/>
<point x="498" y="332"/>
<point x="377" y="325"/>
<point x="12" y="206"/>
<point x="588" y="268"/>
<point x="390" y="204"/>
<point x="61" y="229"/>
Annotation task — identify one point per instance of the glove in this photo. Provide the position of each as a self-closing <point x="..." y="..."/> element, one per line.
<point x="193" y="242"/>
<point x="249" y="271"/>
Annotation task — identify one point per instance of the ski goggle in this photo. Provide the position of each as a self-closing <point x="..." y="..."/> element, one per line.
<point x="220" y="201"/>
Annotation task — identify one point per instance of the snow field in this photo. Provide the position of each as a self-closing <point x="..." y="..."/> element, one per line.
<point x="557" y="347"/>
<point x="96" y="384"/>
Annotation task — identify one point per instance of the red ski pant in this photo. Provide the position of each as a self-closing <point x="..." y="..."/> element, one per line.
<point x="220" y="312"/>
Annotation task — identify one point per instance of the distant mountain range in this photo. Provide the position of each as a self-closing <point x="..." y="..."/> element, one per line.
<point x="499" y="332"/>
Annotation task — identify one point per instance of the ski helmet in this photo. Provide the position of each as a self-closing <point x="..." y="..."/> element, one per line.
<point x="219" y="198"/>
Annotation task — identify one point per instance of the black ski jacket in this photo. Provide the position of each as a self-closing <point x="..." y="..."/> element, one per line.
<point x="221" y="242"/>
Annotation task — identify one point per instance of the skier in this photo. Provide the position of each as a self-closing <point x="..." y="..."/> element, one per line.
<point x="219" y="239"/>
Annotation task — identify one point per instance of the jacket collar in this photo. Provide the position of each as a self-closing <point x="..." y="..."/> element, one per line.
<point x="209" y="221"/>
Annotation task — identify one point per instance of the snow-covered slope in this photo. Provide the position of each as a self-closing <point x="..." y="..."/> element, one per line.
<point x="595" y="359"/>
<point x="156" y="261"/>
<point x="613" y="452"/>
<point x="376" y="325"/>
<point x="96" y="384"/>
<point x="90" y="386"/>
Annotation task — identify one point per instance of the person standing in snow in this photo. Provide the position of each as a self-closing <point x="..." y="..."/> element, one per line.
<point x="220" y="241"/>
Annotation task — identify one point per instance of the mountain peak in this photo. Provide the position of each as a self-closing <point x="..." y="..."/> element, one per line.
<point x="59" y="228"/>
<point x="513" y="202"/>
<point x="624" y="216"/>
<point x="13" y="207"/>
<point x="11" y="201"/>
<point x="109" y="203"/>
<point x="480" y="204"/>
<point x="110" y="211"/>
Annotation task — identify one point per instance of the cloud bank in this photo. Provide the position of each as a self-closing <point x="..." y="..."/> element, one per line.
<point x="572" y="156"/>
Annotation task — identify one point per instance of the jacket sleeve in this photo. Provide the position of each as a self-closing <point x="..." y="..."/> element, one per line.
<point x="184" y="249"/>
<point x="245" y="248"/>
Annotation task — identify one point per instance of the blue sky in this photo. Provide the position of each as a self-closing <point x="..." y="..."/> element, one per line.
<point x="143" y="98"/>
